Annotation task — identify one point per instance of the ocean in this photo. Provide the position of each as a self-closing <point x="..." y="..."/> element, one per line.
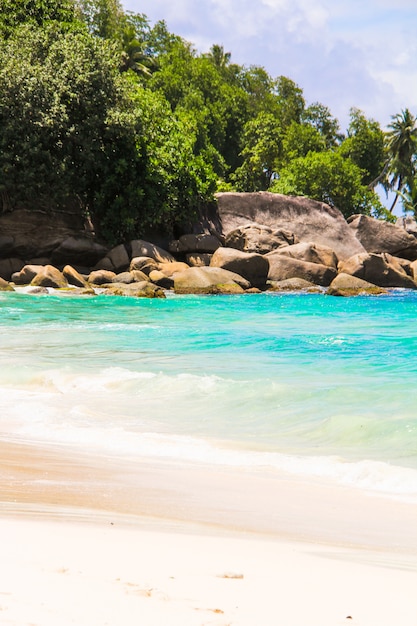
<point x="306" y="384"/>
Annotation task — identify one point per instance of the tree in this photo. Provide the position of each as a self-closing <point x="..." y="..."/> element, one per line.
<point x="133" y="54"/>
<point x="104" y="18"/>
<point x="364" y="145"/>
<point x="219" y="57"/>
<point x="291" y="101"/>
<point x="319" y="117"/>
<point x="36" y="12"/>
<point x="299" y="140"/>
<point x="262" y="141"/>
<point x="402" y="150"/>
<point x="53" y="136"/>
<point x="328" y="177"/>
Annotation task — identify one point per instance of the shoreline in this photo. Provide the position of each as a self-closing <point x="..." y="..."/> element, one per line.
<point x="98" y="540"/>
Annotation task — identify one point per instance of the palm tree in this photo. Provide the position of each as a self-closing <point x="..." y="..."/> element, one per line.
<point x="402" y="153"/>
<point x="219" y="57"/>
<point x="133" y="55"/>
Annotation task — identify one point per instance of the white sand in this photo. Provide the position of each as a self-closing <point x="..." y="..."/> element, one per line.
<point x="97" y="542"/>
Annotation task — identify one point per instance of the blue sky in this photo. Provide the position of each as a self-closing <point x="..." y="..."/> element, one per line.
<point x="342" y="53"/>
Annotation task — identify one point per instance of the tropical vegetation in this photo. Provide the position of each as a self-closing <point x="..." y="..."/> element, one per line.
<point x="105" y="114"/>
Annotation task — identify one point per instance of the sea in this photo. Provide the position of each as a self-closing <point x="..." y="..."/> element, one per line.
<point x="307" y="384"/>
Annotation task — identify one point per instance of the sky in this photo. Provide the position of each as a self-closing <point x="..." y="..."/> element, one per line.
<point x="342" y="53"/>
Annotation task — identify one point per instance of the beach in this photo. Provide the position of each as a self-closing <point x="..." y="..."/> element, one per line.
<point x="93" y="540"/>
<point x="208" y="461"/>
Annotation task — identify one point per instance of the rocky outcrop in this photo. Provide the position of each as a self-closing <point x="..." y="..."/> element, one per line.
<point x="378" y="236"/>
<point x="378" y="269"/>
<point x="259" y="238"/>
<point x="253" y="267"/>
<point x="307" y="219"/>
<point x="261" y="241"/>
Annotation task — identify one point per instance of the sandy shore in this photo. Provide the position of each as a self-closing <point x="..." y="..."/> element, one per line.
<point x="96" y="541"/>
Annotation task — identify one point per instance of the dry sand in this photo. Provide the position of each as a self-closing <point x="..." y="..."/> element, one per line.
<point x="96" y="541"/>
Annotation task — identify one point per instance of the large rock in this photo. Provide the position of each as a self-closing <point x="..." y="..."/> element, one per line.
<point x="6" y="246"/>
<point x="377" y="269"/>
<point x="311" y="252"/>
<point x="28" y="234"/>
<point x="79" y="251"/>
<point x="26" y="274"/>
<point x="8" y="267"/>
<point x="379" y="236"/>
<point x="259" y="238"/>
<point x="172" y="268"/>
<point x="5" y="286"/>
<point x="49" y="276"/>
<point x="253" y="267"/>
<point x="140" y="247"/>
<point x="161" y="279"/>
<point x="198" y="259"/>
<point x="127" y="278"/>
<point x="195" y="243"/>
<point x="309" y="220"/>
<point x="282" y="267"/>
<point x="347" y="285"/>
<point x="292" y="284"/>
<point x="73" y="277"/>
<point x="413" y="269"/>
<point x="409" y="224"/>
<point x="117" y="259"/>
<point x="143" y="264"/>
<point x="101" y="277"/>
<point x="208" y="280"/>
<point x="143" y="289"/>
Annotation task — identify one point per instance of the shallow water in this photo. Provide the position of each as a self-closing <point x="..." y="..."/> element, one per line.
<point x="305" y="383"/>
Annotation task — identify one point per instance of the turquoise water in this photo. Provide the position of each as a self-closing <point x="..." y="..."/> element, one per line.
<point x="305" y="383"/>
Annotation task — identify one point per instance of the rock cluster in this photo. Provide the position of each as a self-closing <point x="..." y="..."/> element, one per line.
<point x="263" y="241"/>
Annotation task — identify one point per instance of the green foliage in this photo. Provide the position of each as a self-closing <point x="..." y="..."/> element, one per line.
<point x="330" y="178"/>
<point x="290" y="101"/>
<point x="300" y="139"/>
<point x="53" y="136"/>
<point x="364" y="145"/>
<point x="319" y="117"/>
<point x="262" y="140"/>
<point x="195" y="87"/>
<point x="13" y="13"/>
<point x="104" y="18"/>
<point x="177" y="181"/>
